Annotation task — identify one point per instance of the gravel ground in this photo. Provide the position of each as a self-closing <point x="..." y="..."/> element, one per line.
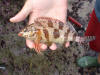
<point x="20" y="60"/>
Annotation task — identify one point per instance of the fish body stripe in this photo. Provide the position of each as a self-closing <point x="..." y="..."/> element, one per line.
<point x="56" y="33"/>
<point x="61" y="25"/>
<point x="38" y="23"/>
<point x="74" y="36"/>
<point x="66" y="34"/>
<point x="46" y="33"/>
<point x="50" y="23"/>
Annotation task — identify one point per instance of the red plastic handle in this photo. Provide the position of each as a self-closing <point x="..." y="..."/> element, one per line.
<point x="74" y="21"/>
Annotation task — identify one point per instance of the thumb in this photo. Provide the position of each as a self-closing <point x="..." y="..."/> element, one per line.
<point x="23" y="13"/>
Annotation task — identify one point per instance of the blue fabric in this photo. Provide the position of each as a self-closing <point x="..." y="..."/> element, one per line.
<point x="97" y="9"/>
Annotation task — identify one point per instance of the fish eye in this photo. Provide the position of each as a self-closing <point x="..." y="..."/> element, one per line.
<point x="25" y="30"/>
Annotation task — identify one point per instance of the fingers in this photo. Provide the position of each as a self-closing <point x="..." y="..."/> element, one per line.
<point x="30" y="44"/>
<point x="43" y="47"/>
<point x="53" y="46"/>
<point x="27" y="8"/>
<point x="67" y="44"/>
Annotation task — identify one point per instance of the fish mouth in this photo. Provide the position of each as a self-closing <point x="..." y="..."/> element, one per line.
<point x="20" y="34"/>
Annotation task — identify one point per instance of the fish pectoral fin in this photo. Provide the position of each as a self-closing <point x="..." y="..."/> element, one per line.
<point x="37" y="47"/>
<point x="37" y="42"/>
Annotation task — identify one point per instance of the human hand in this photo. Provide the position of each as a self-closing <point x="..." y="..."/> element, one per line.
<point x="36" y="8"/>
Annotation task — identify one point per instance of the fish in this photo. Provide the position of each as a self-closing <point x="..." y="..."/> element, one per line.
<point x="49" y="30"/>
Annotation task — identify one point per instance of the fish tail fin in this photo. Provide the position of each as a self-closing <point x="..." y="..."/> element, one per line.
<point x="85" y="39"/>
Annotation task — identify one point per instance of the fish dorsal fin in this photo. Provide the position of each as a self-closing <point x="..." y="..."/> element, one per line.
<point x="50" y="22"/>
<point x="44" y="19"/>
<point x="71" y="27"/>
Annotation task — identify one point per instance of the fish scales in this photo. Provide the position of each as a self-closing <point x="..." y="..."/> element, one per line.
<point x="49" y="30"/>
<point x="59" y="29"/>
<point x="53" y="30"/>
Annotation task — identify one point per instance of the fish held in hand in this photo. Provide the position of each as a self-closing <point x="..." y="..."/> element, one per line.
<point x="49" y="30"/>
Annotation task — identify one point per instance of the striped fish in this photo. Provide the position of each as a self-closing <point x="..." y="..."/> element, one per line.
<point x="49" y="30"/>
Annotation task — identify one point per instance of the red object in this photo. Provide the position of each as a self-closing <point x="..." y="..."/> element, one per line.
<point x="19" y="34"/>
<point x="74" y="21"/>
<point x="93" y="29"/>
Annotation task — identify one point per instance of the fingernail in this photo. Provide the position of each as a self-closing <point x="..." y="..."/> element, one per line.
<point x="11" y="19"/>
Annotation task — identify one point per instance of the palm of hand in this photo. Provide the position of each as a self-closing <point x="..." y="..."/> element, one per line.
<point x="39" y="8"/>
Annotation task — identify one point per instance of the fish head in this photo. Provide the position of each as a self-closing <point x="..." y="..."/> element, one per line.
<point x="29" y="32"/>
